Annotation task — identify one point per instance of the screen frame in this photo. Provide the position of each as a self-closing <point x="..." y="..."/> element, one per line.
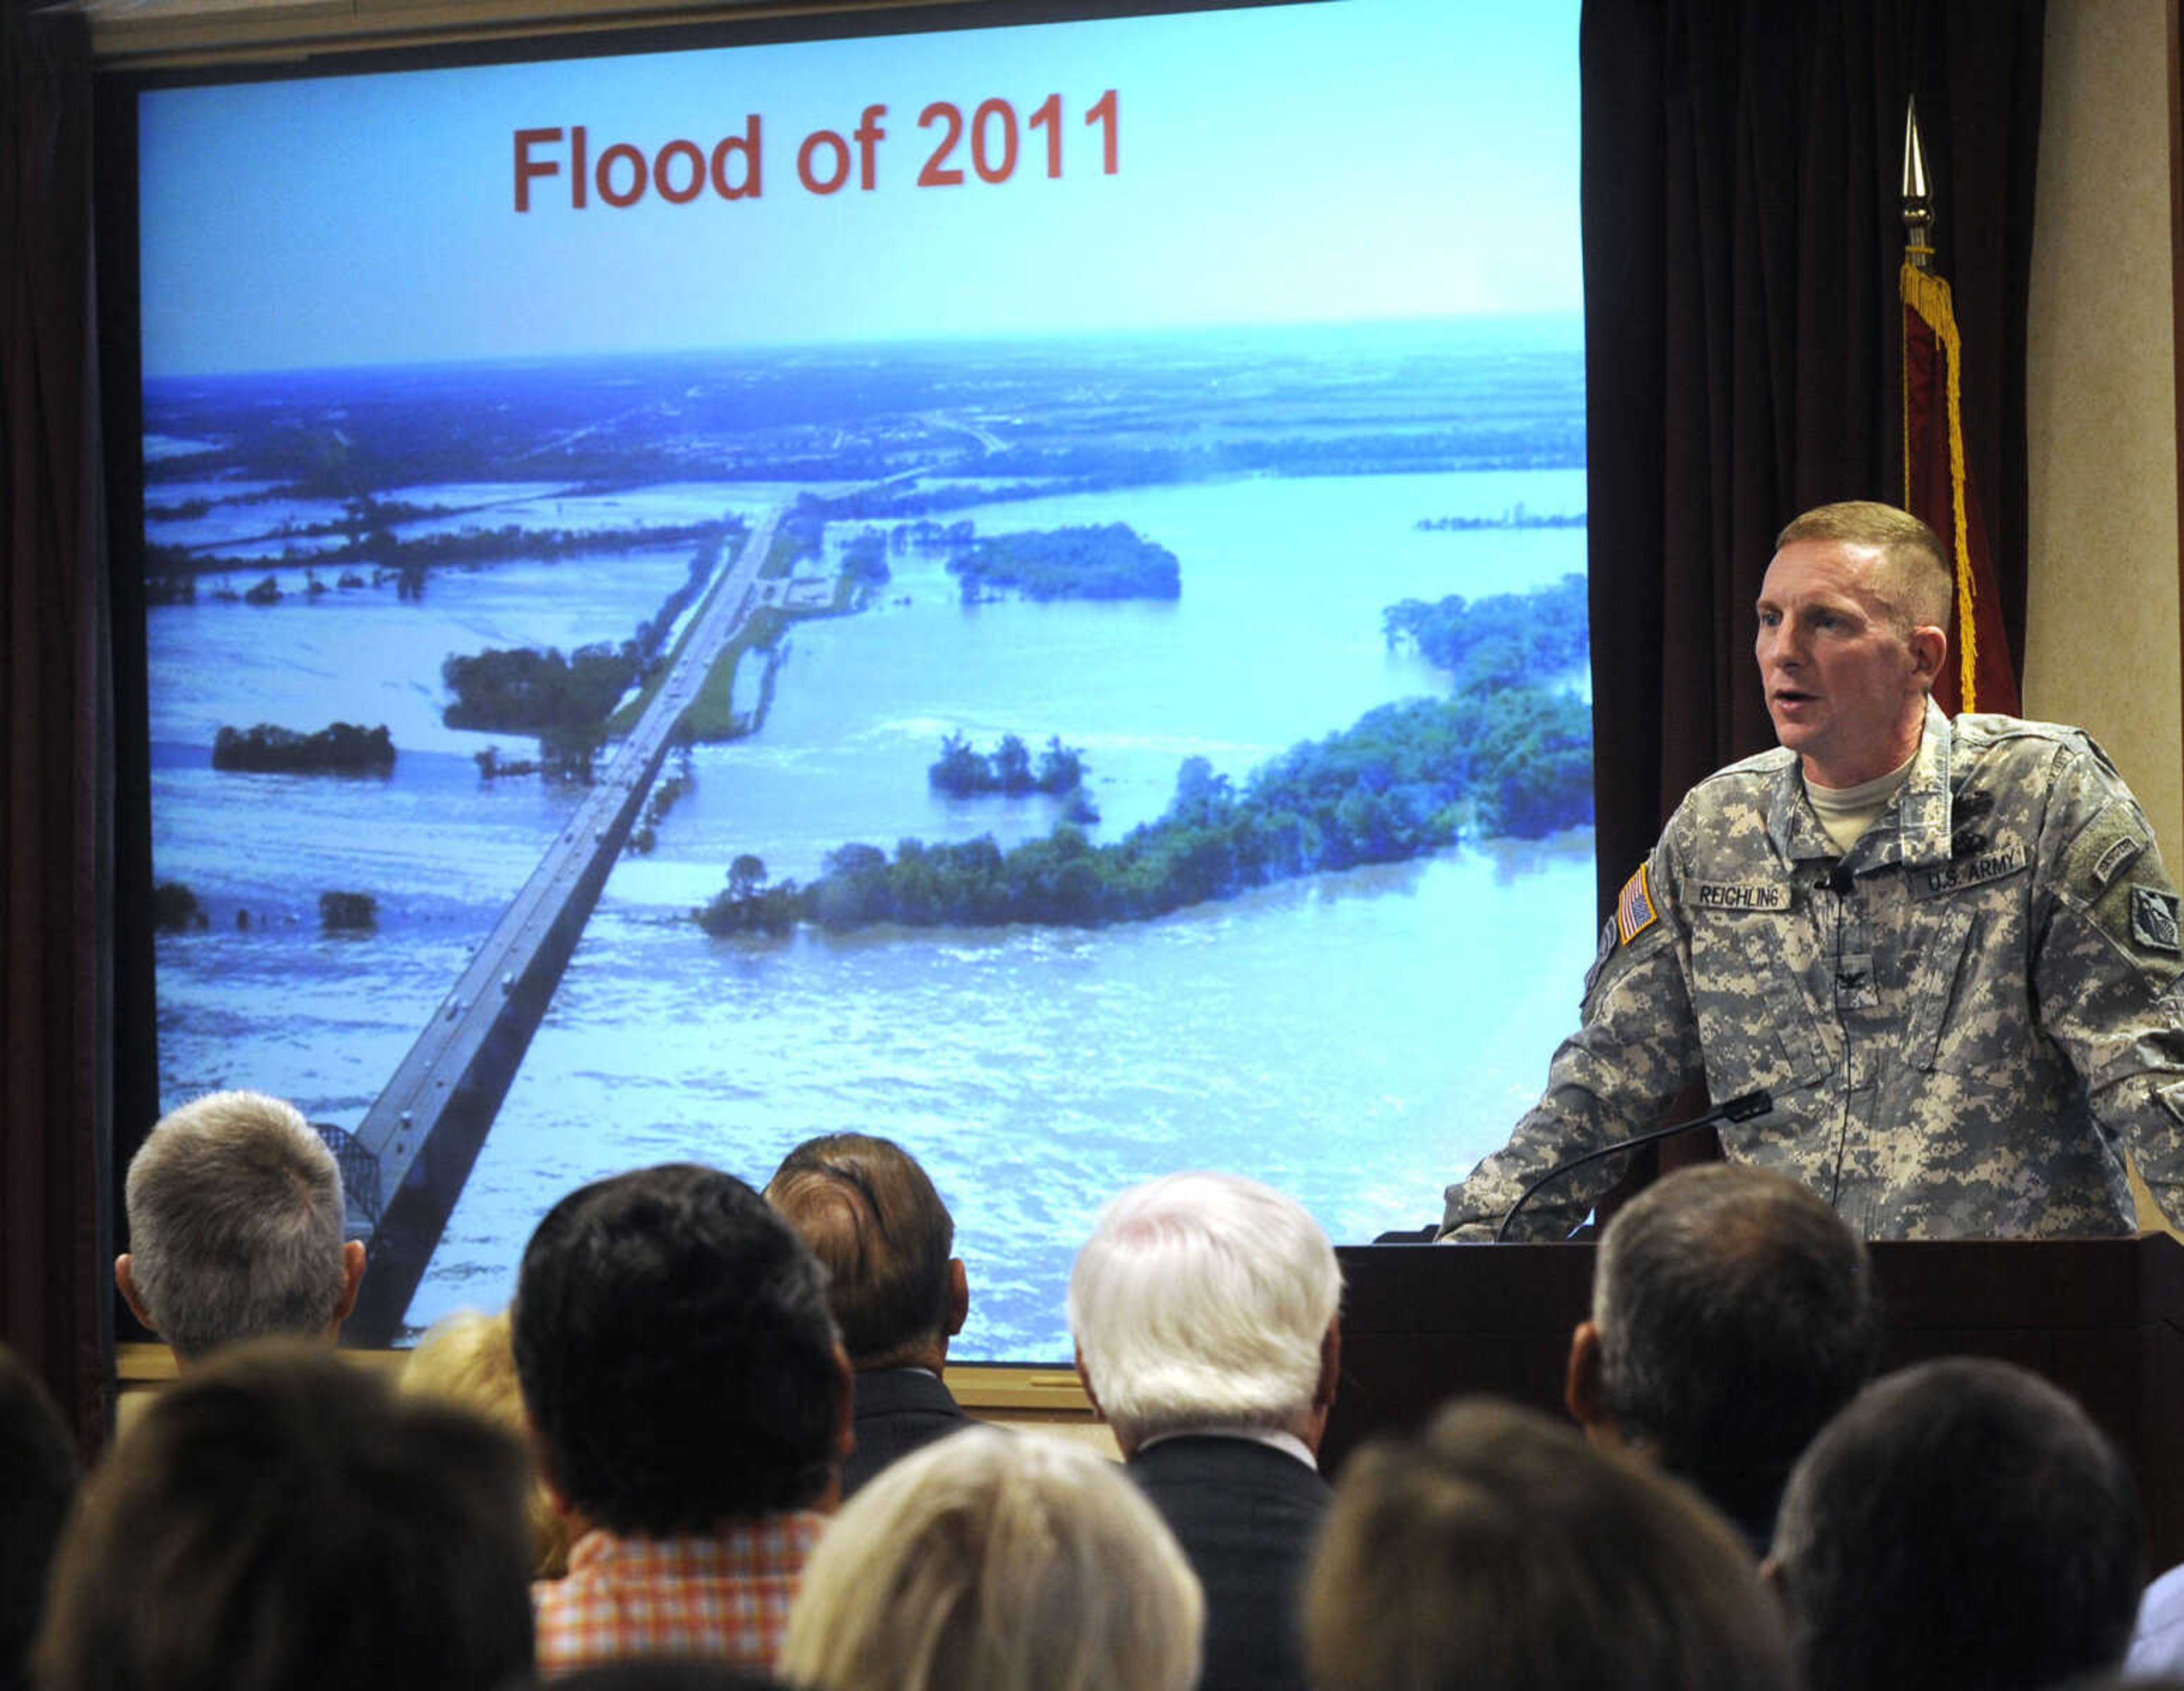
<point x="268" y="55"/>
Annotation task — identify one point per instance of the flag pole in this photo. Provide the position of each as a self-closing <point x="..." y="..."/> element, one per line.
<point x="1927" y="296"/>
<point x="1918" y="194"/>
<point x="1917" y="253"/>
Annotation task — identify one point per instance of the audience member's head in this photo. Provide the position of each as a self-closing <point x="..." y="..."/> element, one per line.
<point x="872" y="1216"/>
<point x="678" y="1361"/>
<point x="469" y="1358"/>
<point x="1498" y="1550"/>
<point x="987" y="1562"/>
<point x="1206" y="1301"/>
<point x="280" y="1521"/>
<point x="1962" y="1523"/>
<point x="236" y="1219"/>
<point x="37" y="1480"/>
<point x="1733" y="1314"/>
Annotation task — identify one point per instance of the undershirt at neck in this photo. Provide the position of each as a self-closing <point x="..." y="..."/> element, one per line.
<point x="1846" y="813"/>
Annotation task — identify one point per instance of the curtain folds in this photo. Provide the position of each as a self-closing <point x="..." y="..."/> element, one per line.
<point x="1742" y="228"/>
<point x="56" y="799"/>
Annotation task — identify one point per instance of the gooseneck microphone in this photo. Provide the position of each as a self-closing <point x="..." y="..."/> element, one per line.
<point x="1747" y="1108"/>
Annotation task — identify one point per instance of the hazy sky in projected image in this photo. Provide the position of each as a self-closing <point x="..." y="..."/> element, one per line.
<point x="1355" y="159"/>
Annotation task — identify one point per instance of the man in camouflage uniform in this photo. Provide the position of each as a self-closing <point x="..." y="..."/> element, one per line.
<point x="1948" y="950"/>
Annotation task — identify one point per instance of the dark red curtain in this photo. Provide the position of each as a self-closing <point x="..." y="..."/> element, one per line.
<point x="1742" y="167"/>
<point x="56" y="800"/>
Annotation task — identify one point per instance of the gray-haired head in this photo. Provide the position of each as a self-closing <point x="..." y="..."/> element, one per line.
<point x="1205" y="1300"/>
<point x="1734" y="1314"/>
<point x="234" y="1225"/>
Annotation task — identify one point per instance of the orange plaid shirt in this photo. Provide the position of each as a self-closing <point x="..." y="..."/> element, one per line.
<point x="721" y="1597"/>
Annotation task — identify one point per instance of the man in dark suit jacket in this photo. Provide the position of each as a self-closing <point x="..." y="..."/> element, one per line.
<point x="1205" y="1311"/>
<point x="870" y="1214"/>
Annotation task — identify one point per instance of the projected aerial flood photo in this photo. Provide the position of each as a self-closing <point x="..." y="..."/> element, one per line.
<point x="1075" y="748"/>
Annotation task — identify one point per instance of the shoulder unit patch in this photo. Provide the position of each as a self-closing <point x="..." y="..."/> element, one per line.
<point x="2153" y="919"/>
<point x="1634" y="911"/>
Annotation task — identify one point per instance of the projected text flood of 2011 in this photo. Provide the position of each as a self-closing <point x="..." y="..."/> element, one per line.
<point x="681" y="171"/>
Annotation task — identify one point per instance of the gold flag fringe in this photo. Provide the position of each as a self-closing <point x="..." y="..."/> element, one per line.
<point x="1927" y="294"/>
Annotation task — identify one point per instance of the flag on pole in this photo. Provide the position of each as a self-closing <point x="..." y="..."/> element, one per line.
<point x="1937" y="488"/>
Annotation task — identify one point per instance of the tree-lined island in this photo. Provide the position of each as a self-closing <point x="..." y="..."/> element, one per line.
<point x="1108" y="561"/>
<point x="963" y="772"/>
<point x="339" y="749"/>
<point x="1497" y="758"/>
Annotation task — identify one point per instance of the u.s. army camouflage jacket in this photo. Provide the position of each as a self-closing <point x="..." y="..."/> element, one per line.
<point x="1964" y="1021"/>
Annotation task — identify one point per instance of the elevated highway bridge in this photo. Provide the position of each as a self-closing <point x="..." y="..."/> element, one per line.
<point x="421" y="1135"/>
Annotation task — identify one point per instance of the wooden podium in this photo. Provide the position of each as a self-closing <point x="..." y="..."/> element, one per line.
<point x="2101" y="1318"/>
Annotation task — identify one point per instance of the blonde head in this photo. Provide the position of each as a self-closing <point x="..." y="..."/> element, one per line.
<point x="469" y="1358"/>
<point x="994" y="1562"/>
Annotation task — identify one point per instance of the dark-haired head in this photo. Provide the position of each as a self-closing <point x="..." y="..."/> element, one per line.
<point x="37" y="1480"/>
<point x="677" y="1358"/>
<point x="1962" y="1523"/>
<point x="1499" y="1551"/>
<point x="280" y="1519"/>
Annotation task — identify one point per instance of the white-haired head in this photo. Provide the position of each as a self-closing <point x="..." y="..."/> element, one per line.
<point x="1204" y="1300"/>
<point x="1006" y="1562"/>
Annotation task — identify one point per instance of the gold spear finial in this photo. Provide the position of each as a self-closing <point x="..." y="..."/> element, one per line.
<point x="1918" y="197"/>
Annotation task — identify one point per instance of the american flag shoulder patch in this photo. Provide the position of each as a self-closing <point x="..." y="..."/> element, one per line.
<point x="1634" y="911"/>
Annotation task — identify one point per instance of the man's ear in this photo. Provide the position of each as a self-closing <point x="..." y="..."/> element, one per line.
<point x="1093" y="1398"/>
<point x="1930" y="649"/>
<point x="1085" y="1381"/>
<point x="959" y="1297"/>
<point x="352" y="1279"/>
<point x="1330" y="1366"/>
<point x="541" y="1463"/>
<point x="1582" y="1385"/>
<point x="124" y="1278"/>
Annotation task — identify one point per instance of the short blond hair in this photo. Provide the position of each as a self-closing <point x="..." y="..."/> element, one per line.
<point x="1005" y="1562"/>
<point x="1915" y="577"/>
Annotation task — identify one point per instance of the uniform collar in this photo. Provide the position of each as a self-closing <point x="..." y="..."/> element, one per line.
<point x="1913" y="831"/>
